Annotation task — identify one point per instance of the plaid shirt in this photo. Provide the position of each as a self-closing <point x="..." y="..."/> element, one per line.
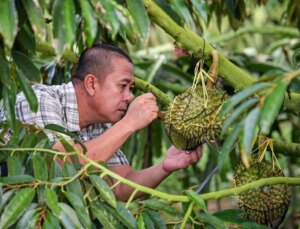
<point x="58" y="105"/>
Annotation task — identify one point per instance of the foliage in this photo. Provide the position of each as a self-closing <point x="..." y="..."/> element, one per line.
<point x="40" y="42"/>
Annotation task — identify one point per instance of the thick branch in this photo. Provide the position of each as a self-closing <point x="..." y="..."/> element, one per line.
<point x="191" y="41"/>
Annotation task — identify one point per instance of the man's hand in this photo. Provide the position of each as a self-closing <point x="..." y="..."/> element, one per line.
<point x="141" y="112"/>
<point x="180" y="159"/>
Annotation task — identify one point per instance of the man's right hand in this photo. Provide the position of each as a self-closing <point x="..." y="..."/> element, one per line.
<point x="141" y="112"/>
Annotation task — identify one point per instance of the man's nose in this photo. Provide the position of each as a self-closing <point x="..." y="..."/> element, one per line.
<point x="129" y="96"/>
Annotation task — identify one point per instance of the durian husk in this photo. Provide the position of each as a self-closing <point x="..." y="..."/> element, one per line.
<point x="192" y="118"/>
<point x="265" y="205"/>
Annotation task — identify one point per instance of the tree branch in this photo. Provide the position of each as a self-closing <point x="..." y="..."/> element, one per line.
<point x="189" y="40"/>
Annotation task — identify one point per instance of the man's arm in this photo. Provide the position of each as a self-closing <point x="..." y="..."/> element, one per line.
<point x="152" y="176"/>
<point x="141" y="112"/>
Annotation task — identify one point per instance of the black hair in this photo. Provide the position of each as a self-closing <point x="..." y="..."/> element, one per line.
<point x="98" y="60"/>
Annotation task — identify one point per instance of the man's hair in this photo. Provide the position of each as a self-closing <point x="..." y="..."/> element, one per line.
<point x="98" y="60"/>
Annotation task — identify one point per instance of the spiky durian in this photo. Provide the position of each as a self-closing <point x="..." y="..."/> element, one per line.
<point x="192" y="117"/>
<point x="267" y="204"/>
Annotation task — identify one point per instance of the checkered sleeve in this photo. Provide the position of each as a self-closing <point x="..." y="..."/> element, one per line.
<point x="49" y="112"/>
<point x="118" y="159"/>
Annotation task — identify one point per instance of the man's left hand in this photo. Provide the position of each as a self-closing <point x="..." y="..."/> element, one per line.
<point x="180" y="159"/>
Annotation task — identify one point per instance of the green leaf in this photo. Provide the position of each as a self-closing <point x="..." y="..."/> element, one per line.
<point x="69" y="217"/>
<point x="140" y="17"/>
<point x="52" y="201"/>
<point x="55" y="170"/>
<point x="23" y="62"/>
<point x="110" y="16"/>
<point x="252" y="225"/>
<point x="4" y="69"/>
<point x="75" y="186"/>
<point x="167" y="7"/>
<point x="211" y="220"/>
<point x="16" y="207"/>
<point x="28" y="91"/>
<point x="90" y="23"/>
<point x="104" y="216"/>
<point x="237" y="113"/>
<point x="125" y="216"/>
<point x="70" y="147"/>
<point x="141" y="224"/>
<point x="36" y="18"/>
<point x="104" y="190"/>
<point x="228" y="143"/>
<point x="51" y="221"/>
<point x="231" y="216"/>
<point x="80" y="209"/>
<point x="197" y="199"/>
<point x="159" y="205"/>
<point x="18" y="179"/>
<point x="147" y="220"/>
<point x="29" y="219"/>
<point x="182" y="10"/>
<point x="9" y="105"/>
<point x="5" y="198"/>
<point x="63" y="130"/>
<point x="14" y="166"/>
<point x="272" y="106"/>
<point x="63" y="24"/>
<point x="201" y="9"/>
<point x="251" y="122"/>
<point x="8" y="21"/>
<point x="26" y="41"/>
<point x="240" y="96"/>
<point x="40" y="170"/>
<point x="156" y="218"/>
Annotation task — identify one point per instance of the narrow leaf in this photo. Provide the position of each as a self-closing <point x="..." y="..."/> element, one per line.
<point x="36" y="18"/>
<point x="250" y="126"/>
<point x="228" y="143"/>
<point x="237" y="113"/>
<point x="63" y="24"/>
<point x="6" y="198"/>
<point x="140" y="17"/>
<point x="75" y="186"/>
<point x="26" y="66"/>
<point x="69" y="217"/>
<point x="15" y="208"/>
<point x="18" y="179"/>
<point x="159" y="205"/>
<point x="80" y="209"/>
<point x="8" y="21"/>
<point x="104" y="216"/>
<point x="141" y="224"/>
<point x="197" y="199"/>
<point x="9" y="105"/>
<point x="125" y="216"/>
<point x="90" y="23"/>
<point x="29" y="219"/>
<point x="28" y="91"/>
<point x="14" y="166"/>
<point x="4" y="69"/>
<point x="51" y="221"/>
<point x="156" y="218"/>
<point x="104" y="190"/>
<point x="211" y="220"/>
<point x="272" y="105"/>
<point x="52" y="202"/>
<point x="240" y="96"/>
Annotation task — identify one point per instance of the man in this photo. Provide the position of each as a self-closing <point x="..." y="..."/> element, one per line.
<point x="99" y="94"/>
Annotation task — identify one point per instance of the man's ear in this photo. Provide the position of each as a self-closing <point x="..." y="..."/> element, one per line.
<point x="90" y="84"/>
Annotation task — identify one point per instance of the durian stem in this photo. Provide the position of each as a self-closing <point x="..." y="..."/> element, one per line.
<point x="213" y="70"/>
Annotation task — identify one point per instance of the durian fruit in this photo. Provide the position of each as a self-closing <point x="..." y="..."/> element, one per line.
<point x="192" y="117"/>
<point x="265" y="205"/>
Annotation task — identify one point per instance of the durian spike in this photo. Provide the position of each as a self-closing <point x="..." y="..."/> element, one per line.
<point x="213" y="70"/>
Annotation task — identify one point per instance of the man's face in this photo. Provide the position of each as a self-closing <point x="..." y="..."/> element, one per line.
<point x="115" y="95"/>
